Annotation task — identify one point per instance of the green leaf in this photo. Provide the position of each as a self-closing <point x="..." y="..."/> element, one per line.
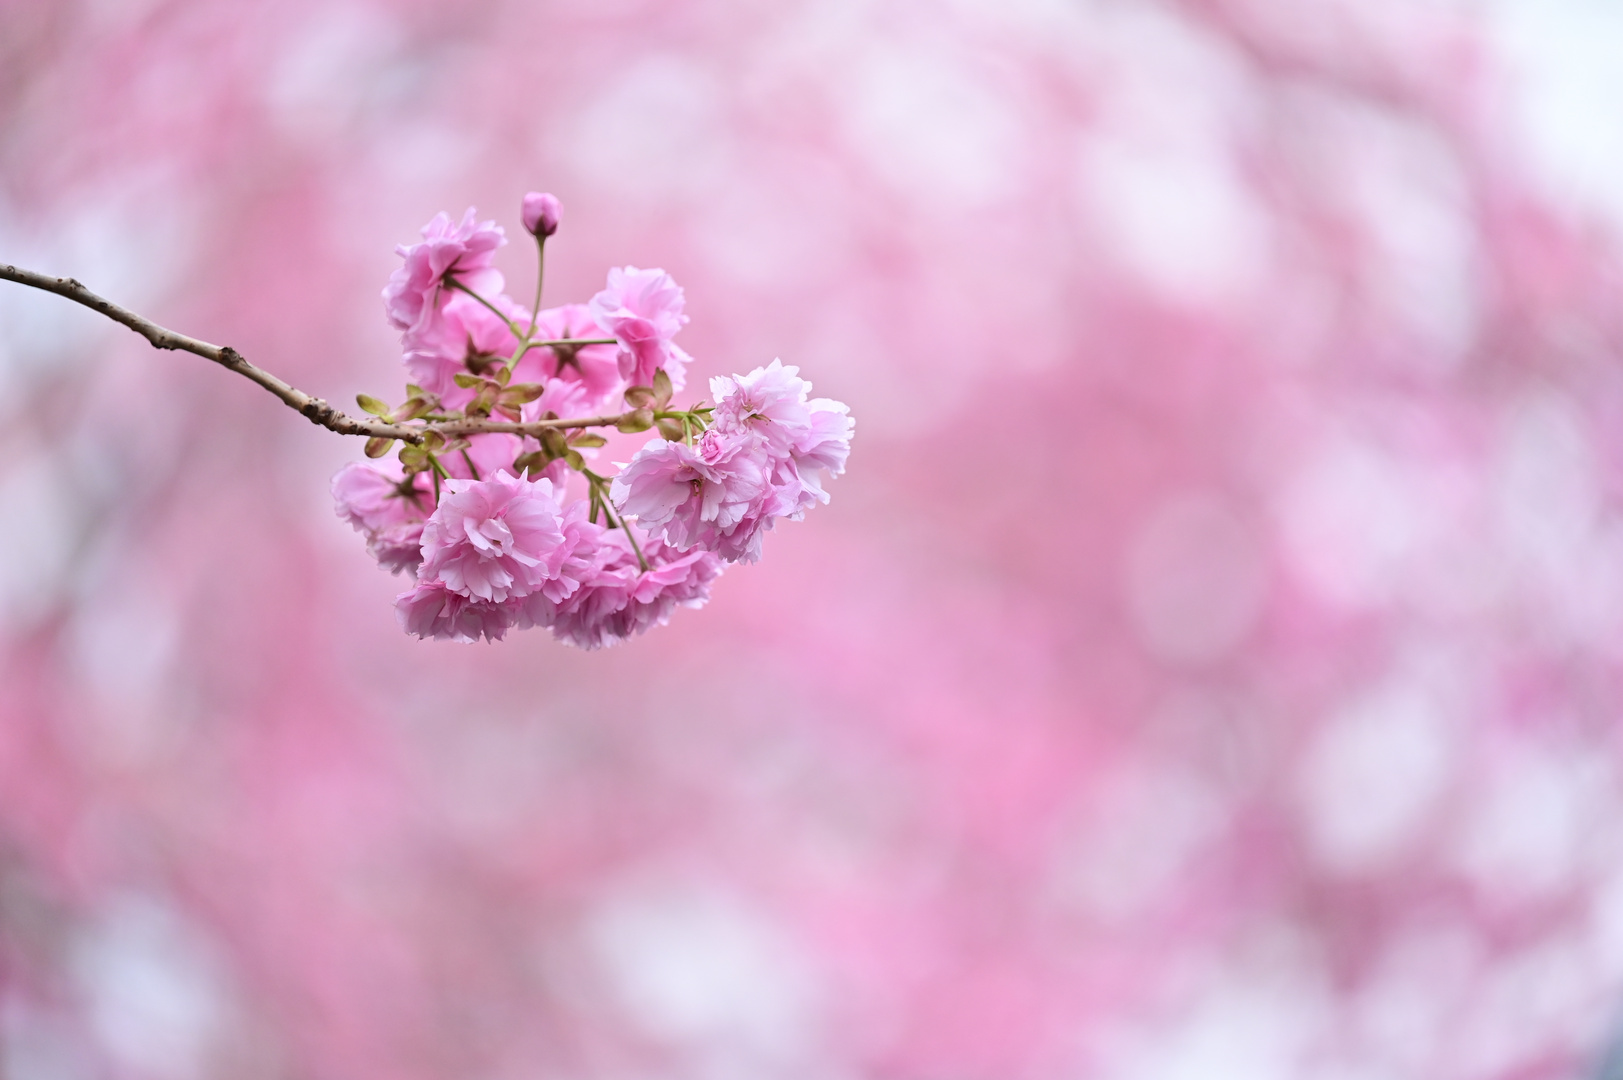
<point x="670" y="428"/>
<point x="519" y="393"/>
<point x="589" y="440"/>
<point x="554" y="442"/>
<point x="371" y="404"/>
<point x="576" y="462"/>
<point x="633" y="422"/>
<point x="377" y="446"/>
<point x="533" y="461"/>
<point x="466" y="381"/>
<point x="412" y="409"/>
<point x="662" y="388"/>
<point x="640" y="396"/>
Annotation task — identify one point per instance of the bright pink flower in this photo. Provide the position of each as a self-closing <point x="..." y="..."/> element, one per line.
<point x="463" y="337"/>
<point x="466" y="250"/>
<point x="643" y="309"/>
<point x="431" y="610"/>
<point x="596" y="368"/>
<point x="495" y="538"/>
<point x="372" y="499"/>
<point x="541" y="213"/>
<point x="718" y="494"/>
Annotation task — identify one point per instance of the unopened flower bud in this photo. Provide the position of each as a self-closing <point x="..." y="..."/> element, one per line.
<point x="541" y="213"/>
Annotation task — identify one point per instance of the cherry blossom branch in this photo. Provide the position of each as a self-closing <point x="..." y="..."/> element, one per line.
<point x="313" y="408"/>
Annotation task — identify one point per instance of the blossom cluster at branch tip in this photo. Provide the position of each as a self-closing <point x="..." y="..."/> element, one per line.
<point x="504" y="530"/>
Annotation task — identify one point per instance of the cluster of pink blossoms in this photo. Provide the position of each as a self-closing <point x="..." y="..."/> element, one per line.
<point x="496" y="512"/>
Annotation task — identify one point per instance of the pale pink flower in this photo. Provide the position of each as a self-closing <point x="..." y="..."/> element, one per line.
<point x="759" y="461"/>
<point x="822" y="446"/>
<point x="619" y="600"/>
<point x="643" y="310"/>
<point x="375" y="500"/>
<point x="769" y="402"/>
<point x="495" y="538"/>
<point x="596" y="368"/>
<point x="431" y="610"/>
<point x="803" y="437"/>
<point x="583" y="540"/>
<point x="463" y="338"/>
<point x="466" y="250"/>
<point x="541" y="213"/>
<point x="826" y="442"/>
<point x="719" y="494"/>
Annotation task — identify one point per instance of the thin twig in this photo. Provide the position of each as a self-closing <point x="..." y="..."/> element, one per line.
<point x="314" y="408"/>
<point x="452" y="428"/>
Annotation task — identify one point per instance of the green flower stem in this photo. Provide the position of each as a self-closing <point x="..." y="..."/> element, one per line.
<point x="511" y="325"/>
<point x="540" y="271"/>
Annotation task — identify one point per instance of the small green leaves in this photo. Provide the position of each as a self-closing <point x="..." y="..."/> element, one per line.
<point x="662" y="388"/>
<point x="554" y="442"/>
<point x="519" y="393"/>
<point x="671" y="429"/>
<point x="466" y="381"/>
<point x="413" y="458"/>
<point x="371" y="405"/>
<point x="640" y="396"/>
<point x="532" y="462"/>
<point x="589" y="440"/>
<point x="378" y="446"/>
<point x="413" y="408"/>
<point x="640" y="420"/>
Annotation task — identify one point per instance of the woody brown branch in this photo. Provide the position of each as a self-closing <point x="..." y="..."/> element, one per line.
<point x="315" y="409"/>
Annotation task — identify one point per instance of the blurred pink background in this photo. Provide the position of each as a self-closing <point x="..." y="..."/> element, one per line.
<point x="1210" y="666"/>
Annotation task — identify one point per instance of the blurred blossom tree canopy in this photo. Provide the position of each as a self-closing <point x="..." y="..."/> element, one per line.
<point x="1213" y="668"/>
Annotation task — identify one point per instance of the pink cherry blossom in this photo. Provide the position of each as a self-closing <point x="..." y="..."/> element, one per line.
<point x="372" y="499"/>
<point x="541" y="213"/>
<point x="719" y="494"/>
<point x="431" y="610"/>
<point x="826" y="441"/>
<point x="769" y="402"/>
<point x="596" y="368"/>
<point x="464" y="337"/>
<point x="801" y="437"/>
<point x="466" y="250"/>
<point x="494" y="538"/>
<point x="619" y="600"/>
<point x="643" y="309"/>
